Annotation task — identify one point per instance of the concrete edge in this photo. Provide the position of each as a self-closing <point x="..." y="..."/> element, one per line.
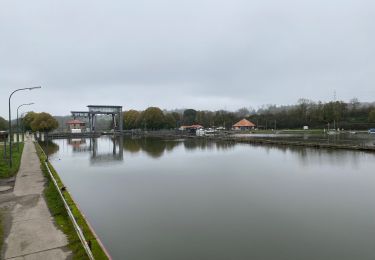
<point x="79" y="209"/>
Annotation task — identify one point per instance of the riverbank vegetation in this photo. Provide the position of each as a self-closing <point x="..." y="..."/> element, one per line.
<point x="318" y="115"/>
<point x="58" y="211"/>
<point x="3" y="124"/>
<point x="5" y="170"/>
<point x="42" y="122"/>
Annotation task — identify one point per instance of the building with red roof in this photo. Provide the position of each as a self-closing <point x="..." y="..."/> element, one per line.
<point x="243" y="124"/>
<point x="75" y="124"/>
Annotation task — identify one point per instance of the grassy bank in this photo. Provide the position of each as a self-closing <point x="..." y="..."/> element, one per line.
<point x="282" y="131"/>
<point x="5" y="171"/>
<point x="62" y="219"/>
<point x="292" y="143"/>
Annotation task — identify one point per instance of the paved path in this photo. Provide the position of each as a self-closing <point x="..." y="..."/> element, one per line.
<point x="32" y="233"/>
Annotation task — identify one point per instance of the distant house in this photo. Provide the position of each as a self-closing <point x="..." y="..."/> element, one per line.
<point x="243" y="124"/>
<point x="190" y="128"/>
<point x="76" y="125"/>
<point x="187" y="127"/>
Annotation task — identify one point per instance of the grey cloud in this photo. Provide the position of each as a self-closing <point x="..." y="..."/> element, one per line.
<point x="205" y="54"/>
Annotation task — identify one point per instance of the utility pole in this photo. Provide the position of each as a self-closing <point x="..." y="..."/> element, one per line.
<point x="18" y="128"/>
<point x="22" y="127"/>
<point x="10" y="123"/>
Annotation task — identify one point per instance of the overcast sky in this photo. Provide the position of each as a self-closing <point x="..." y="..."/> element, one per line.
<point x="203" y="54"/>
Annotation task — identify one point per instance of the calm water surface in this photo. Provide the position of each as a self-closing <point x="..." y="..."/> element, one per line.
<point x="189" y="199"/>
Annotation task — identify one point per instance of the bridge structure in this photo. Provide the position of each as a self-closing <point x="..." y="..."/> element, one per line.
<point x="93" y="110"/>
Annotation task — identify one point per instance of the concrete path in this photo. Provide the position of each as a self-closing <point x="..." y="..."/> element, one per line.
<point x="32" y="233"/>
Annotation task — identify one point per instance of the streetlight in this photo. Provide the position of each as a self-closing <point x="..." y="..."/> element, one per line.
<point x="10" y="123"/>
<point x="18" y="128"/>
<point x="23" y="126"/>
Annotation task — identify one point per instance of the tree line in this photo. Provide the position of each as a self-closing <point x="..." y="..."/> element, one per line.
<point x="39" y="122"/>
<point x="42" y="122"/>
<point x="3" y="124"/>
<point x="153" y="118"/>
<point x="347" y="115"/>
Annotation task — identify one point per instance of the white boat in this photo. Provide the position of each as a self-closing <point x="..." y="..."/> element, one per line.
<point x="200" y="132"/>
<point x="332" y="132"/>
<point x="209" y="131"/>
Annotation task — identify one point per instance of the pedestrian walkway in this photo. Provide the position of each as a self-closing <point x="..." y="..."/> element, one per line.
<point x="32" y="234"/>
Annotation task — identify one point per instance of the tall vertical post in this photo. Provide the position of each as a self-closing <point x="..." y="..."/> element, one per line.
<point x="18" y="127"/>
<point x="121" y="119"/>
<point x="22" y="129"/>
<point x="90" y="122"/>
<point x="18" y="134"/>
<point x="94" y="147"/>
<point x="10" y="123"/>
<point x="113" y="122"/>
<point x="121" y="146"/>
<point x="93" y="123"/>
<point x="10" y="134"/>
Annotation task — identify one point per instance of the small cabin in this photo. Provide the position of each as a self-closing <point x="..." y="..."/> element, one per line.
<point x="243" y="124"/>
<point x="76" y="126"/>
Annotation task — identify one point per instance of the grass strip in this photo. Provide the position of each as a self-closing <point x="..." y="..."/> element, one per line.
<point x="61" y="216"/>
<point x="5" y="170"/>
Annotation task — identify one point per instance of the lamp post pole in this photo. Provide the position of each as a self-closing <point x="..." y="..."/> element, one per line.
<point x="18" y="128"/>
<point x="23" y="127"/>
<point x="10" y="123"/>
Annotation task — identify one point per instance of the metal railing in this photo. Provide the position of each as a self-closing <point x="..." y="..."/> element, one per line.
<point x="71" y="216"/>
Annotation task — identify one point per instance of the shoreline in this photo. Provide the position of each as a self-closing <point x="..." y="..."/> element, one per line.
<point x="264" y="141"/>
<point x="96" y="246"/>
<point x="230" y="136"/>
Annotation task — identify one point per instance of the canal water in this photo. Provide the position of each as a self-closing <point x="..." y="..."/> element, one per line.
<point x="195" y="199"/>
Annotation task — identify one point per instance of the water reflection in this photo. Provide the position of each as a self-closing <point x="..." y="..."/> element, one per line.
<point x="342" y="138"/>
<point x="78" y="145"/>
<point x="49" y="147"/>
<point x="201" y="199"/>
<point x="310" y="156"/>
<point x="206" y="144"/>
<point x="154" y="147"/>
<point x="108" y="149"/>
<point x="99" y="157"/>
